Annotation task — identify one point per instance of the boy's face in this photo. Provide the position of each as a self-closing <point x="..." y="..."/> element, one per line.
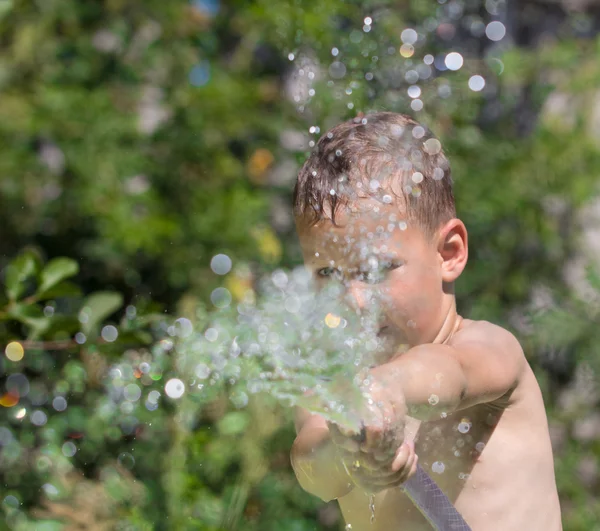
<point x="380" y="256"/>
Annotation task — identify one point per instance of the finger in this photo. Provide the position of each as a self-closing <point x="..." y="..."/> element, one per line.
<point x="406" y="450"/>
<point x="365" y="462"/>
<point x="406" y="474"/>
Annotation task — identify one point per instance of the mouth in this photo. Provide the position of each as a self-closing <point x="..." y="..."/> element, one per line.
<point x="382" y="330"/>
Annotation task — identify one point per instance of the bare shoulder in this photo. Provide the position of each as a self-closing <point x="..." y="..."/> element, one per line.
<point x="486" y="333"/>
<point x="491" y="357"/>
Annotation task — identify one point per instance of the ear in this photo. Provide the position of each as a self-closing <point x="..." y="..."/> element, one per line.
<point x="453" y="249"/>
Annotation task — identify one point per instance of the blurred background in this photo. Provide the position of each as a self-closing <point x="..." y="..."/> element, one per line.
<point x="142" y="139"/>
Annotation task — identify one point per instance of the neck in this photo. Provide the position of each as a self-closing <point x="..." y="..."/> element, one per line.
<point x="451" y="321"/>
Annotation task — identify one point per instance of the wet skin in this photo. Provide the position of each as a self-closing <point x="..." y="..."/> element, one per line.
<point x="487" y="444"/>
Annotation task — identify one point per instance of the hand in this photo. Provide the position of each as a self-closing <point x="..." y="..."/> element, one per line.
<point x="377" y="458"/>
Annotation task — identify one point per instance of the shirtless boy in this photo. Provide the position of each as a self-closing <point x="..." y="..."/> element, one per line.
<point x="374" y="210"/>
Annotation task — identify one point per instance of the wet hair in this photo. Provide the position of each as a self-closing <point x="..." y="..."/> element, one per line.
<point x="384" y="155"/>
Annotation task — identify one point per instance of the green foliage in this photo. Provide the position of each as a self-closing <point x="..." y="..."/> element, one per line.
<point x="142" y="138"/>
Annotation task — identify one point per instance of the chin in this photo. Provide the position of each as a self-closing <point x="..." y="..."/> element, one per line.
<point x="390" y="345"/>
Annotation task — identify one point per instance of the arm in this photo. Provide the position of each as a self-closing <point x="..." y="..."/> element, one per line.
<point x="315" y="460"/>
<point x="434" y="378"/>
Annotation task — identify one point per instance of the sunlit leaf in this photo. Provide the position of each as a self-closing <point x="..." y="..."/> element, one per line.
<point x="98" y="307"/>
<point x="63" y="289"/>
<point x="17" y="273"/>
<point x="55" y="271"/>
<point x="30" y="315"/>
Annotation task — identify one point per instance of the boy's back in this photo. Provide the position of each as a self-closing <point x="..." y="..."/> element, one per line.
<point x="498" y="482"/>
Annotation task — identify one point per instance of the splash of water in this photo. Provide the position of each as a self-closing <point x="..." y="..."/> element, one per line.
<point x="301" y="345"/>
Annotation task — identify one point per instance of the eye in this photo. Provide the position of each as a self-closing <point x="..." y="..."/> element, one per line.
<point x="378" y="274"/>
<point x="329" y="272"/>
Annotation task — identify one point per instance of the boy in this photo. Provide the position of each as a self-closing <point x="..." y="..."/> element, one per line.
<point x="374" y="210"/>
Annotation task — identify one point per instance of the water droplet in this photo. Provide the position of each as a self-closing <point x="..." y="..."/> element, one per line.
<point x="372" y="507"/>
<point x="50" y="489"/>
<point x="428" y="59"/>
<point x="126" y="460"/>
<point x="438" y="174"/>
<point x="495" y="31"/>
<point x="59" y="403"/>
<point x="332" y="320"/>
<point x="438" y="467"/>
<point x="476" y="83"/>
<point x="200" y="74"/>
<point x="416" y="105"/>
<point x="14" y="351"/>
<point x="337" y="70"/>
<point x="221" y="297"/>
<point x="480" y="446"/>
<point x="414" y="91"/>
<point x="69" y="449"/>
<point x="409" y="36"/>
<point x="418" y="132"/>
<point x="17" y="384"/>
<point x="109" y="333"/>
<point x="432" y="146"/>
<point x="454" y="61"/>
<point x="407" y="50"/>
<point x="132" y="392"/>
<point x="433" y="400"/>
<point x="221" y="264"/>
<point x="175" y="388"/>
<point x="239" y="399"/>
<point x="417" y="177"/>
<point x="464" y="426"/>
<point x="39" y="418"/>
<point x="153" y="397"/>
<point x="211" y="334"/>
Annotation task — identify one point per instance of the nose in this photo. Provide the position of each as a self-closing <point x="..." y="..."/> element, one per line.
<point x="358" y="294"/>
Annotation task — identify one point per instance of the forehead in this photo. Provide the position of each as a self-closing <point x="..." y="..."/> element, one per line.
<point x="371" y="228"/>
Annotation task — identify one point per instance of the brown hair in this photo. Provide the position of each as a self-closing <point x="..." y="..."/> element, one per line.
<point x="371" y="156"/>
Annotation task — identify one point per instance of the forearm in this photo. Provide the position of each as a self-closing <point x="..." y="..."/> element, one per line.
<point x="425" y="380"/>
<point x="317" y="465"/>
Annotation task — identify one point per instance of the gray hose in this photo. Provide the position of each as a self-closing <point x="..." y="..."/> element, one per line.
<point x="434" y="505"/>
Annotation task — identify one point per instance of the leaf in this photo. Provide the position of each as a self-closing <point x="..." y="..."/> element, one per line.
<point x="55" y="271"/>
<point x="97" y="307"/>
<point x="233" y="423"/>
<point x="30" y="315"/>
<point x="17" y="273"/>
<point x="63" y="289"/>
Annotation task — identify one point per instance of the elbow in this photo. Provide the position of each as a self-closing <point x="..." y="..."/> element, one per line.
<point x="307" y="480"/>
<point x="321" y="479"/>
